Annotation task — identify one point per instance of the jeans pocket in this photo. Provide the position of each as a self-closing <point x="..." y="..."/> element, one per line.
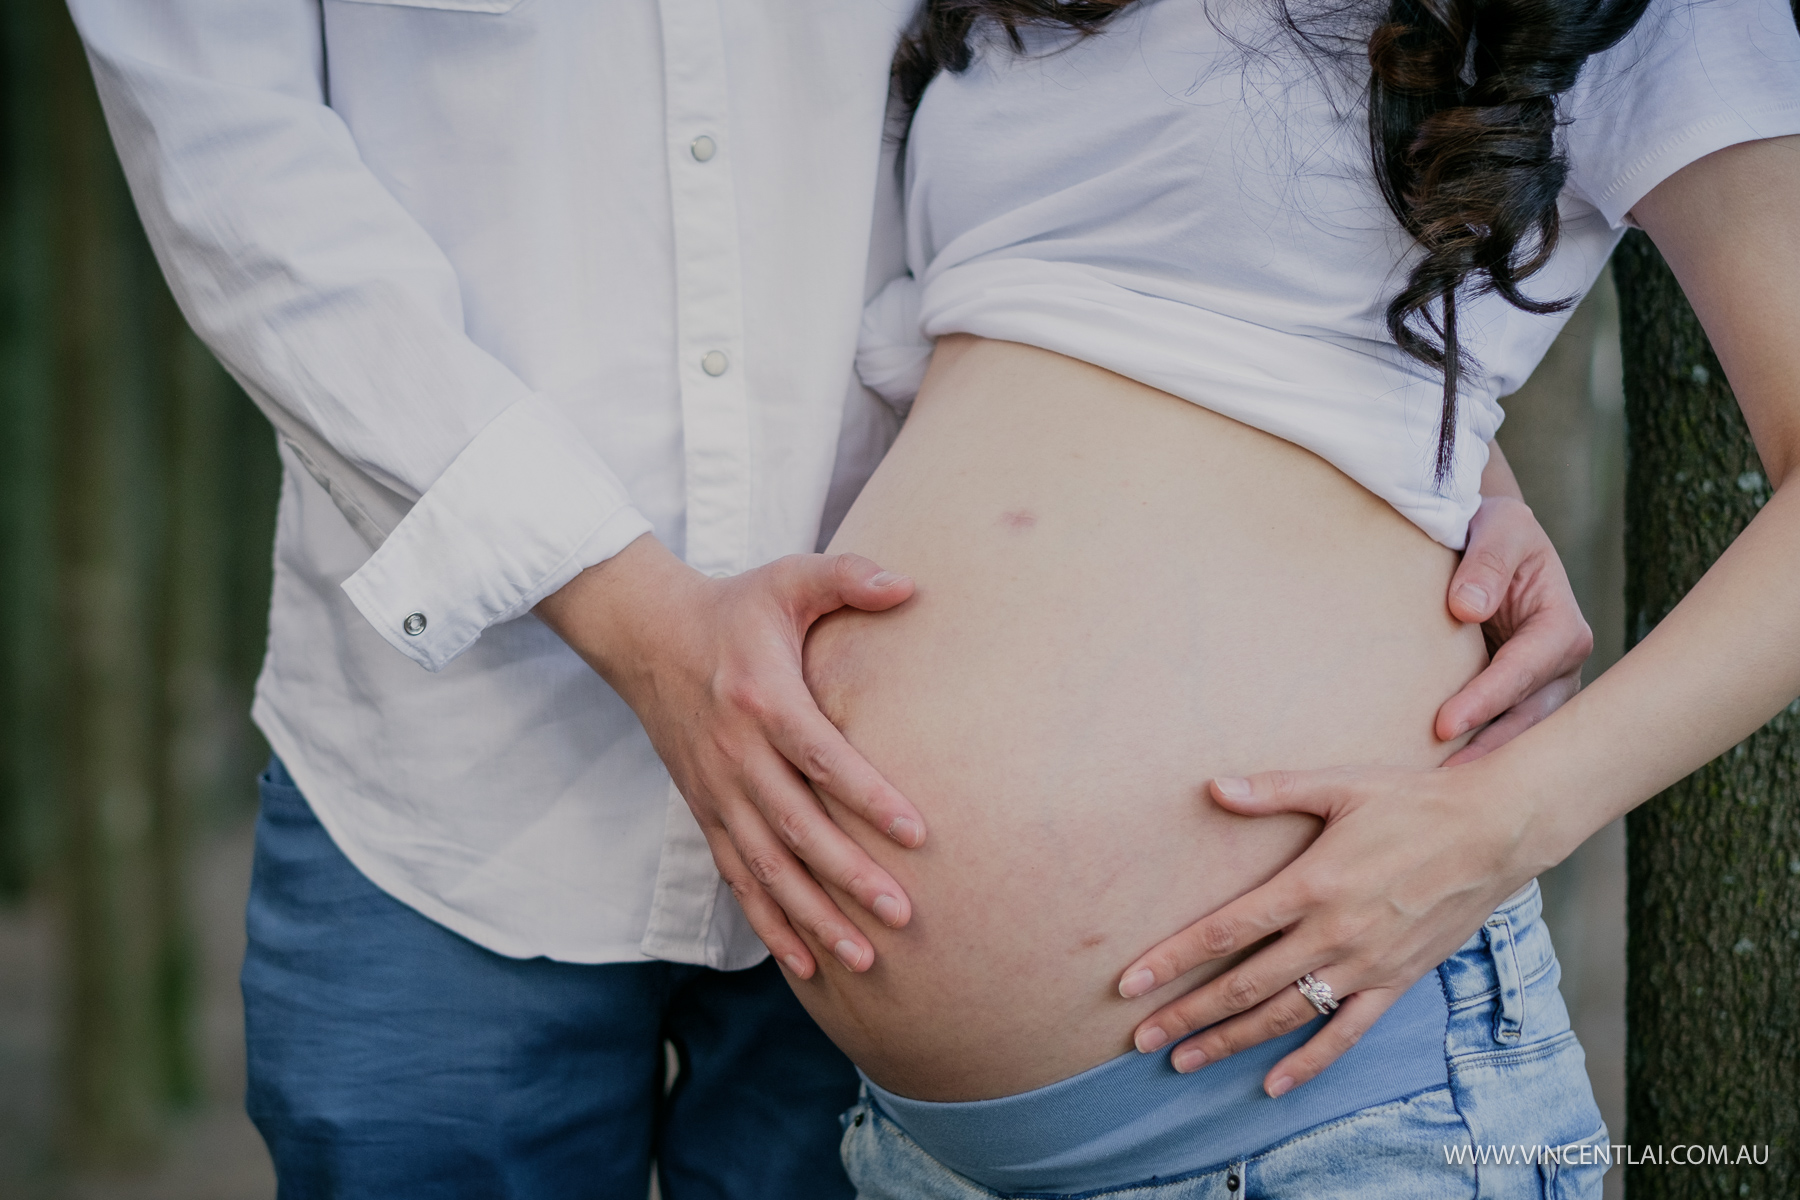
<point x="1577" y="1170"/>
<point x="884" y="1164"/>
<point x="1517" y="1103"/>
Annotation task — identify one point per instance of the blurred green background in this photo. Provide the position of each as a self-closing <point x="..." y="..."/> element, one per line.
<point x="137" y="496"/>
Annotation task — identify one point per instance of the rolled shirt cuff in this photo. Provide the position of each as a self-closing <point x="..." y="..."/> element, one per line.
<point x="525" y="507"/>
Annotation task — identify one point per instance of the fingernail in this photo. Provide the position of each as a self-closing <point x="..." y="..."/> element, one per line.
<point x="1137" y="983"/>
<point x="1190" y="1058"/>
<point x="1233" y="789"/>
<point x="885" y="579"/>
<point x="793" y="964"/>
<point x="1282" y="1086"/>
<point x="1472" y="596"/>
<point x="848" y="953"/>
<point x="1150" y="1039"/>
<point x="906" y="831"/>
<point x="886" y="910"/>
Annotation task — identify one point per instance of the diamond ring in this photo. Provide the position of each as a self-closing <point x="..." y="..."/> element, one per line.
<point x="1317" y="994"/>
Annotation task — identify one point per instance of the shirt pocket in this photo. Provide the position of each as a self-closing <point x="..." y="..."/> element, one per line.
<point x="468" y="6"/>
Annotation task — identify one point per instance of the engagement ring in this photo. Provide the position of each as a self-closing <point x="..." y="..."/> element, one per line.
<point x="1317" y="994"/>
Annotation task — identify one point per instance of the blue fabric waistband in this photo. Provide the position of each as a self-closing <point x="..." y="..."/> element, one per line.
<point x="1135" y="1120"/>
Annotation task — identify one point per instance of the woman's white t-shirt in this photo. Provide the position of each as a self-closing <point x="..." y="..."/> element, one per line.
<point x="1186" y="199"/>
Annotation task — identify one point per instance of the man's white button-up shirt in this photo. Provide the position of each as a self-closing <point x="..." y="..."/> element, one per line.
<point x="517" y="281"/>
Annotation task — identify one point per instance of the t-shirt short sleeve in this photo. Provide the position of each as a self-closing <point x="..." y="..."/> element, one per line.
<point x="1693" y="77"/>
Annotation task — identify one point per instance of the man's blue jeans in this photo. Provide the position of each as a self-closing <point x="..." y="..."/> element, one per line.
<point x="391" y="1059"/>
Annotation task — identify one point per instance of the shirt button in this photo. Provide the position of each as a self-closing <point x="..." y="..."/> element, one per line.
<point x="414" y="625"/>
<point x="703" y="148"/>
<point x="714" y="362"/>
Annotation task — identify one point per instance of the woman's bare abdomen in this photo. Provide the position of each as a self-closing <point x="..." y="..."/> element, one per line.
<point x="1120" y="596"/>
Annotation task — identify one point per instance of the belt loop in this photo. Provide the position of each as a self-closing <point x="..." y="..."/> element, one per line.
<point x="1509" y="1017"/>
<point x="1234" y="1182"/>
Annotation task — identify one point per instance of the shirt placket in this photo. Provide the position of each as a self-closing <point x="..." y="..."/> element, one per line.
<point x="692" y="918"/>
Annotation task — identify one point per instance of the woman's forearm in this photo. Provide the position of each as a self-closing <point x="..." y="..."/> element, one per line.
<point x="1724" y="661"/>
<point x="1727" y="658"/>
<point x="1497" y="477"/>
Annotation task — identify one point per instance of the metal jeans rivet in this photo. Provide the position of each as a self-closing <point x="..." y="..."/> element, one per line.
<point x="858" y="1120"/>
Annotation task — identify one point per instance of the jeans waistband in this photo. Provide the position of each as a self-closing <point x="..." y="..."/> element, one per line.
<point x="1136" y="1120"/>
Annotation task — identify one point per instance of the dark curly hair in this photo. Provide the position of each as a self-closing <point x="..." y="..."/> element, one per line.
<point x="1462" y="133"/>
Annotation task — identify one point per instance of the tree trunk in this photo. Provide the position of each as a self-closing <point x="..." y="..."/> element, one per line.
<point x="28" y="674"/>
<point x="198" y="710"/>
<point x="1713" y="993"/>
<point x="108" y="885"/>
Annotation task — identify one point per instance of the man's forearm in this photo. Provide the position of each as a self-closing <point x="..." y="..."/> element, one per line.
<point x="612" y="606"/>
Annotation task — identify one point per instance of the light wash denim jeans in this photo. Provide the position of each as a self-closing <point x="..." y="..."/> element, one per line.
<point x="1517" y="1083"/>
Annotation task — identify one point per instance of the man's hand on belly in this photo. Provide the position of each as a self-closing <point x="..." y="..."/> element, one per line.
<point x="712" y="667"/>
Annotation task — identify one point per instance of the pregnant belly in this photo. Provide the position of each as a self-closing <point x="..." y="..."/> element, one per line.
<point x="1120" y="596"/>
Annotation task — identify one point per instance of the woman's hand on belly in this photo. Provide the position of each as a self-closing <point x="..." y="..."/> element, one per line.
<point x="1512" y="584"/>
<point x="1409" y="864"/>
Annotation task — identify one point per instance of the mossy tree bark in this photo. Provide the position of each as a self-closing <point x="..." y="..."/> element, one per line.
<point x="1713" y="984"/>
